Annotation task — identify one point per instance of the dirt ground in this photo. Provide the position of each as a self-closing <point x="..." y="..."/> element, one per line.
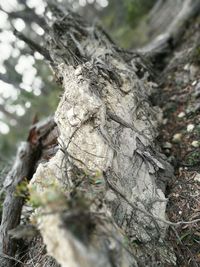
<point x="179" y="137"/>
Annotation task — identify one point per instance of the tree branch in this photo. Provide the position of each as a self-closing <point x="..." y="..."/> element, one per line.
<point x="164" y="42"/>
<point x="28" y="15"/>
<point x="34" y="46"/>
<point x="22" y="171"/>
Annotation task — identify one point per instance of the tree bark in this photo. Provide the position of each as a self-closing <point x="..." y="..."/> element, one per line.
<point x="15" y="188"/>
<point x="102" y="192"/>
<point x="107" y="156"/>
<point x="166" y="24"/>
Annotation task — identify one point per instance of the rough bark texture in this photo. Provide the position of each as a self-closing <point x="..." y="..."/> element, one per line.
<point x="102" y="192"/>
<point x="107" y="141"/>
<point x="13" y="202"/>
<point x="15" y="188"/>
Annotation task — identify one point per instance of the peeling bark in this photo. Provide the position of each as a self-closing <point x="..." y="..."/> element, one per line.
<point x="101" y="184"/>
<point x="107" y="130"/>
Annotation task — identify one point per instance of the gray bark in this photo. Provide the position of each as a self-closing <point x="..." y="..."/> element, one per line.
<point x="107" y="136"/>
<point x="166" y="24"/>
<point x="13" y="203"/>
<point x="14" y="188"/>
<point x="108" y="177"/>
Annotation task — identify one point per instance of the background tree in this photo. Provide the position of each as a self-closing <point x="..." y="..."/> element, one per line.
<point x="25" y="76"/>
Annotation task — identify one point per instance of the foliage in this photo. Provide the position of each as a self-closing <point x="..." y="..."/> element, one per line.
<point x="123" y="19"/>
<point x="193" y="158"/>
<point x="22" y="190"/>
<point x="53" y="196"/>
<point x="136" y="9"/>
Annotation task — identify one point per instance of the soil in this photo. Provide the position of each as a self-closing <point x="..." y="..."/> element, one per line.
<point x="180" y="141"/>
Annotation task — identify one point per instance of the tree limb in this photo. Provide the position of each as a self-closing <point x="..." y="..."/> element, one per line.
<point x="34" y="46"/>
<point x="22" y="171"/>
<point x="164" y="42"/>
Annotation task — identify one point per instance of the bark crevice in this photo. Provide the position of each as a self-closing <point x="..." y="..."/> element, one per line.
<point x="106" y="173"/>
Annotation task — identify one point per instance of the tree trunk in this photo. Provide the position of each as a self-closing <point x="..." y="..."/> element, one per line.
<point x="166" y="24"/>
<point x="101" y="195"/>
<point x="107" y="157"/>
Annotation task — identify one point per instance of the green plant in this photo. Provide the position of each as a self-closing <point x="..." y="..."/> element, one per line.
<point x="193" y="158"/>
<point x="22" y="189"/>
<point x="52" y="196"/>
<point x="196" y="55"/>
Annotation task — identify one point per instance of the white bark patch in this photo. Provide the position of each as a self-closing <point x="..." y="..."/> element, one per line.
<point x="80" y="117"/>
<point x="107" y="126"/>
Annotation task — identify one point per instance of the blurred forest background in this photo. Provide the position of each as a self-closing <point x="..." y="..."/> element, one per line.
<point x="27" y="87"/>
